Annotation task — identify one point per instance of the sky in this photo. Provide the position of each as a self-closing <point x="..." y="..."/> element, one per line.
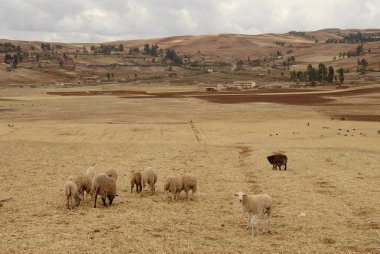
<point x="110" y="20"/>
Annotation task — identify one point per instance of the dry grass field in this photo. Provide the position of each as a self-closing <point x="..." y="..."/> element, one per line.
<point x="333" y="174"/>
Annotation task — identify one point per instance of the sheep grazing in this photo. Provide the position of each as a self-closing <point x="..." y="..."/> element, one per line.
<point x="112" y="173"/>
<point x="90" y="172"/>
<point x="149" y="177"/>
<point x="83" y="183"/>
<point x="72" y="195"/>
<point x="260" y="205"/>
<point x="189" y="182"/>
<point x="277" y="160"/>
<point x="136" y="178"/>
<point x="173" y="184"/>
<point x="104" y="186"/>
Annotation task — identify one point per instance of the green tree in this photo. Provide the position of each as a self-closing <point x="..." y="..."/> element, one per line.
<point x="15" y="61"/>
<point x="341" y="75"/>
<point x="147" y="49"/>
<point x="322" y="72"/>
<point x="330" y="74"/>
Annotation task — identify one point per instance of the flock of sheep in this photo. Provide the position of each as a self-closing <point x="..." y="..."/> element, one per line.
<point x="257" y="206"/>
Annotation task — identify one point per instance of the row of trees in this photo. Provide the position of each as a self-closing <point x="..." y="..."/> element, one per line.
<point x="9" y="48"/>
<point x="355" y="38"/>
<point x="321" y="74"/>
<point x="151" y="50"/>
<point x="107" y="49"/>
<point x="13" y="60"/>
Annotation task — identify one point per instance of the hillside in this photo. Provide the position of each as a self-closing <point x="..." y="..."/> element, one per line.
<point x="230" y="56"/>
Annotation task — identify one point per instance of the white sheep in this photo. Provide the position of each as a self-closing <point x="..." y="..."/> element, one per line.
<point x="259" y="204"/>
<point x="72" y="195"/>
<point x="83" y="183"/>
<point x="254" y="224"/>
<point x="105" y="186"/>
<point x="112" y="173"/>
<point x="189" y="182"/>
<point x="90" y="172"/>
<point x="173" y="184"/>
<point x="149" y="177"/>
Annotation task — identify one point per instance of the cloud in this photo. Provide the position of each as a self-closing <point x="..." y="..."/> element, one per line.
<point x="98" y="20"/>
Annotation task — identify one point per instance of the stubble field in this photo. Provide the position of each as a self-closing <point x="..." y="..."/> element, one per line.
<point x="332" y="178"/>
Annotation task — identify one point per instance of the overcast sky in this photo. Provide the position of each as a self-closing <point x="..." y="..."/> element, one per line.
<point x="107" y="20"/>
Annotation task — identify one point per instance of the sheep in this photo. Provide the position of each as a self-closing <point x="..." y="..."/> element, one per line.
<point x="90" y="172"/>
<point x="259" y="204"/>
<point x="189" y="182"/>
<point x="105" y="186"/>
<point x="254" y="224"/>
<point x="149" y="177"/>
<point x="72" y="195"/>
<point x="83" y="183"/>
<point x="173" y="184"/>
<point x="277" y="160"/>
<point x="112" y="173"/>
<point x="136" y="178"/>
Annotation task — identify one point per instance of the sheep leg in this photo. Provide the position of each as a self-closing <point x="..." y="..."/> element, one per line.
<point x="68" y="202"/>
<point x="249" y="221"/>
<point x="132" y="185"/>
<point x="285" y="166"/>
<point x="104" y="201"/>
<point x="110" y="198"/>
<point x="96" y="197"/>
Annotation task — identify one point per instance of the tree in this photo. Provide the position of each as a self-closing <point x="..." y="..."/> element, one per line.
<point x="147" y="49"/>
<point x="341" y="75"/>
<point x="310" y="71"/>
<point x="360" y="50"/>
<point x="121" y="47"/>
<point x="15" y="61"/>
<point x="8" y="59"/>
<point x="362" y="66"/>
<point x="108" y="76"/>
<point x="322" y="72"/>
<point x="330" y="74"/>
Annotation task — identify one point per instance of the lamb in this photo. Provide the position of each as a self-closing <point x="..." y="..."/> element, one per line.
<point x="189" y="182"/>
<point x="112" y="173"/>
<point x="260" y="205"/>
<point x="72" y="195"/>
<point x="254" y="224"/>
<point x="90" y="172"/>
<point x="136" y="180"/>
<point x="149" y="177"/>
<point x="83" y="183"/>
<point x="277" y="160"/>
<point x="105" y="186"/>
<point x="173" y="184"/>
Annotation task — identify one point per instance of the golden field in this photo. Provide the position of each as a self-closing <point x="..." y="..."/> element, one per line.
<point x="334" y="179"/>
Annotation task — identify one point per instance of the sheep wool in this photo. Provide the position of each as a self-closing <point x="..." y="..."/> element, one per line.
<point x="136" y="178"/>
<point x="189" y="182"/>
<point x="173" y="184"/>
<point x="112" y="173"/>
<point x="104" y="186"/>
<point x="259" y="204"/>
<point x="83" y="183"/>
<point x="72" y="195"/>
<point x="90" y="172"/>
<point x="149" y="177"/>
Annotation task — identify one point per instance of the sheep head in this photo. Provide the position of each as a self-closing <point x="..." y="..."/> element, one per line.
<point x="240" y="195"/>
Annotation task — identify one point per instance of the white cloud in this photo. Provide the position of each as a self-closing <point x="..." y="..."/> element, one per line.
<point x="99" y="20"/>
